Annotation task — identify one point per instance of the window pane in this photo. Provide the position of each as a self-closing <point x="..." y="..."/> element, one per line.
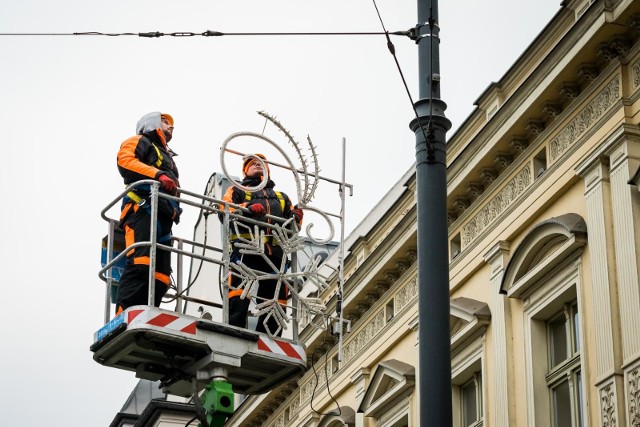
<point x="558" y="338"/>
<point x="579" y="387"/>
<point x="562" y="405"/>
<point x="469" y="410"/>
<point x="576" y="329"/>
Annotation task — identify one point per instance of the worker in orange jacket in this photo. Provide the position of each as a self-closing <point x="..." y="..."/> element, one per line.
<point x="259" y="203"/>
<point x="147" y="156"/>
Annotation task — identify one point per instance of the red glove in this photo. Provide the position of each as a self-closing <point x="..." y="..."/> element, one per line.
<point x="167" y="184"/>
<point x="257" y="209"/>
<point x="297" y="214"/>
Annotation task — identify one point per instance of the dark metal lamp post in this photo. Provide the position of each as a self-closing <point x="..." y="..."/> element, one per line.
<point x="430" y="128"/>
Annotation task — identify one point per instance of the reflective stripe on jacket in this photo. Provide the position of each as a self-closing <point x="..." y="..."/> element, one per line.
<point x="146" y="156"/>
<point x="276" y="203"/>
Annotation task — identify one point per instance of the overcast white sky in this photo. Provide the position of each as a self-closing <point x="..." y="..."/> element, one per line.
<point x="66" y="104"/>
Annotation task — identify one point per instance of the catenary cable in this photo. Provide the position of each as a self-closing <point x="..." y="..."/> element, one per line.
<point x="208" y="33"/>
<point x="392" y="49"/>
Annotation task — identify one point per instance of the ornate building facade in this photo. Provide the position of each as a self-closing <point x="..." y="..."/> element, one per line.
<point x="544" y="248"/>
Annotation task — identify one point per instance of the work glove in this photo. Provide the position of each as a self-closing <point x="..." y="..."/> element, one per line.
<point x="167" y="184"/>
<point x="257" y="210"/>
<point x="297" y="214"/>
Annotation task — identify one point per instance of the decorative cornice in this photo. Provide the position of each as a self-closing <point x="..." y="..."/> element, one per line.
<point x="570" y="91"/>
<point x="401" y="266"/>
<point x="551" y="110"/>
<point x="588" y="72"/>
<point x="474" y="189"/>
<point x="461" y="204"/>
<point x="585" y="119"/>
<point x="382" y="286"/>
<point x="492" y="210"/>
<point x="620" y="45"/>
<point x="503" y="160"/>
<point x="519" y="144"/>
<point x="535" y="127"/>
<point x="488" y="175"/>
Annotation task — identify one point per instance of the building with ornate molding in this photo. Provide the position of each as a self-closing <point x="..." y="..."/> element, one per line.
<point x="544" y="249"/>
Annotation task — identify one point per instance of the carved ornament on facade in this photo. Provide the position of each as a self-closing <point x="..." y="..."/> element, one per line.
<point x="488" y="175"/>
<point x="570" y="91"/>
<point x="607" y="53"/>
<point x="295" y="406"/>
<point x="621" y="45"/>
<point x="412" y="256"/>
<point x="401" y="266"/>
<point x="362" y="307"/>
<point x="585" y="119"/>
<point x="390" y="277"/>
<point x="353" y="316"/>
<point x="365" y="336"/>
<point x="588" y="72"/>
<point x="503" y="160"/>
<point x="461" y="204"/>
<point x="519" y="144"/>
<point x="535" y="127"/>
<point x="474" y="189"/>
<point x="406" y="295"/>
<point x="551" y="110"/>
<point x="608" y="407"/>
<point x="381" y="286"/>
<point x="318" y="380"/>
<point x="324" y="347"/>
<point x="307" y="389"/>
<point x="371" y="298"/>
<point x="634" y="23"/>
<point x="451" y="217"/>
<point x="634" y="396"/>
<point x="635" y="70"/>
<point x="511" y="191"/>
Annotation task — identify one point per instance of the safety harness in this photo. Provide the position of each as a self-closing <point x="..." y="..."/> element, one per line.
<point x="247" y="236"/>
<point x="266" y="239"/>
<point x="132" y="196"/>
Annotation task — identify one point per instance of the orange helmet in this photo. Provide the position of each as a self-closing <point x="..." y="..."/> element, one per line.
<point x="250" y="158"/>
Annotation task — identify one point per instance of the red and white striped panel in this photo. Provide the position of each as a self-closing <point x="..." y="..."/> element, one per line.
<point x="282" y="348"/>
<point x="163" y="320"/>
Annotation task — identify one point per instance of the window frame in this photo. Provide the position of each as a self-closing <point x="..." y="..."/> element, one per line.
<point x="467" y="365"/>
<point x="547" y="300"/>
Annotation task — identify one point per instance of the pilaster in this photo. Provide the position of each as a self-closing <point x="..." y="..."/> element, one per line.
<point x="625" y="161"/>
<point x="607" y="348"/>
<point x="501" y="389"/>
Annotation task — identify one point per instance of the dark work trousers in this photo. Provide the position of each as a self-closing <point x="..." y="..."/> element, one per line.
<point x="133" y="289"/>
<point x="239" y="308"/>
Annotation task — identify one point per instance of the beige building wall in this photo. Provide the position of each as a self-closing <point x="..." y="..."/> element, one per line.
<point x="544" y="243"/>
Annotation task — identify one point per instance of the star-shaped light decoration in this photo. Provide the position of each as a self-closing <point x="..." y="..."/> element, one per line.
<point x="274" y="310"/>
<point x="249" y="279"/>
<point x="250" y="240"/>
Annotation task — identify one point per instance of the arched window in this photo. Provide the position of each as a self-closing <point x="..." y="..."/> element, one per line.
<point x="344" y="416"/>
<point x="545" y="273"/>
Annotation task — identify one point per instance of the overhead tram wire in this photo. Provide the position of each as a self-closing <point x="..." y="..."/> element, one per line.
<point x="208" y="33"/>
<point x="412" y="34"/>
